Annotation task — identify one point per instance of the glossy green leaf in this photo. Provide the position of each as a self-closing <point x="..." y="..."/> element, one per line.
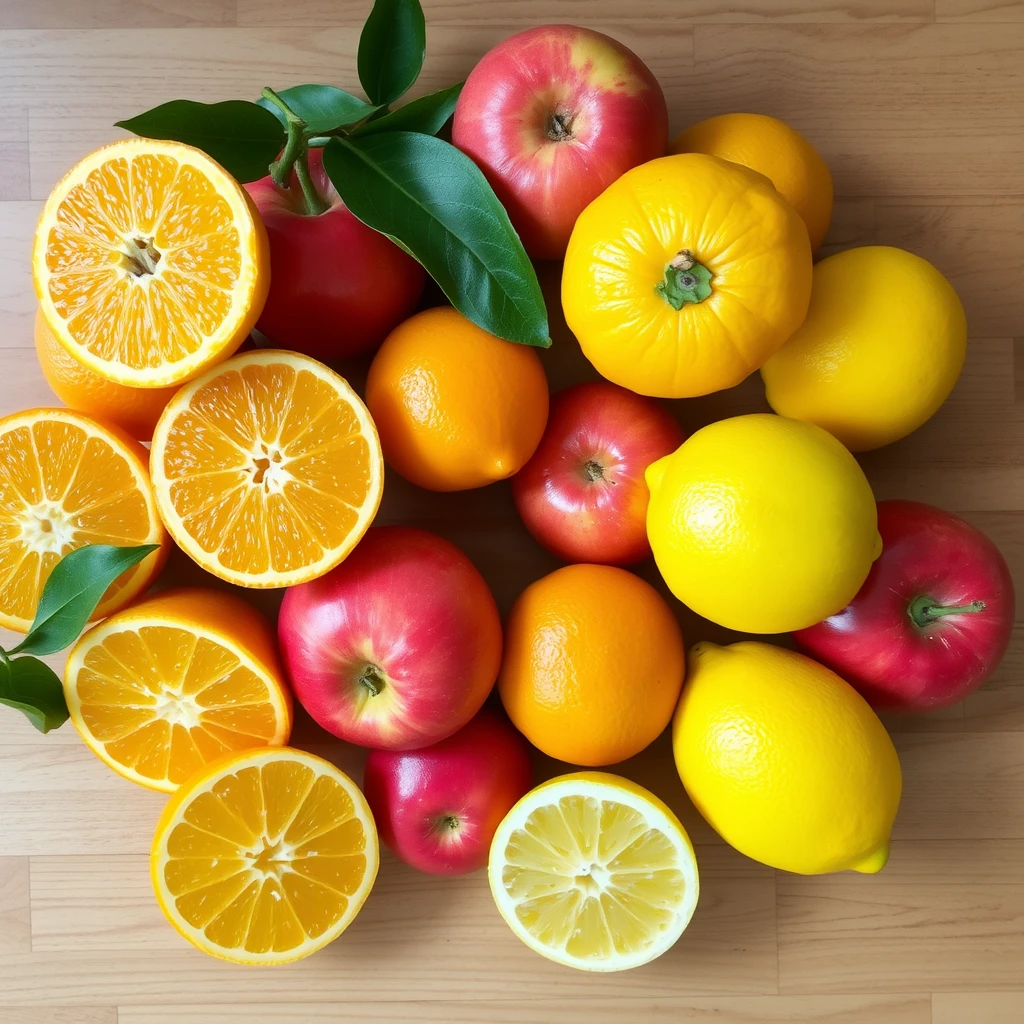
<point x="433" y="201"/>
<point x="392" y="46"/>
<point x="427" y="114"/>
<point x="32" y="687"/>
<point x="72" y="591"/>
<point x="242" y="137"/>
<point x="322" y="107"/>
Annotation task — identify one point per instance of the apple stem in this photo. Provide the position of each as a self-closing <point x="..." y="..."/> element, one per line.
<point x="372" y="680"/>
<point x="560" y="127"/>
<point x="686" y="280"/>
<point x="593" y="470"/>
<point x="924" y="611"/>
<point x="294" y="156"/>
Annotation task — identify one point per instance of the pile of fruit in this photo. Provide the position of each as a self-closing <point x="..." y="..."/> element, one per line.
<point x="190" y="281"/>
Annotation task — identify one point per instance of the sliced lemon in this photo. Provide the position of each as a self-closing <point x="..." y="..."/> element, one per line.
<point x="594" y="872"/>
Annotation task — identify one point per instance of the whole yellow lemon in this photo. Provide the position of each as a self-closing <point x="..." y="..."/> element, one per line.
<point x="880" y="350"/>
<point x="785" y="760"/>
<point x="762" y="524"/>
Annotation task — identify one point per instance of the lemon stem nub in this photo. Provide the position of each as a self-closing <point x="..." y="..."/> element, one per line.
<point x="686" y="281"/>
<point x="924" y="611"/>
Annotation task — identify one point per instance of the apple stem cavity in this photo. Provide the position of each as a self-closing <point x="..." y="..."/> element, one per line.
<point x="924" y="611"/>
<point x="593" y="470"/>
<point x="294" y="156"/>
<point x="372" y="679"/>
<point x="447" y="824"/>
<point x="686" y="281"/>
<point x="560" y="127"/>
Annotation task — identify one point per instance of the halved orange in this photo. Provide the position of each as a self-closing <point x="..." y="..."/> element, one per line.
<point x="67" y="480"/>
<point x="265" y="857"/>
<point x="161" y="689"/>
<point x="267" y="469"/>
<point x="150" y="262"/>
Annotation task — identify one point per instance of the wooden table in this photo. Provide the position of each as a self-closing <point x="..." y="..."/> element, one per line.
<point x="918" y="106"/>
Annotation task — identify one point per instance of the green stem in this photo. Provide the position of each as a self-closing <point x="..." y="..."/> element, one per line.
<point x="313" y="202"/>
<point x="686" y="281"/>
<point x="924" y="611"/>
<point x="294" y="156"/>
<point x="372" y="680"/>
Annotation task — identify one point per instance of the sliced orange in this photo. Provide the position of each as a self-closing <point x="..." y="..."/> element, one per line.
<point x="267" y="469"/>
<point x="150" y="262"/>
<point x="66" y="481"/>
<point x="265" y="857"/>
<point x="160" y="690"/>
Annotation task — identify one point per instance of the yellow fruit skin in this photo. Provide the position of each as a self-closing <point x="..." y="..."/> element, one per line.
<point x="882" y="346"/>
<point x="785" y="760"/>
<point x="772" y="148"/>
<point x="456" y="407"/>
<point x="762" y="524"/>
<point x="736" y="225"/>
<point x="593" y="664"/>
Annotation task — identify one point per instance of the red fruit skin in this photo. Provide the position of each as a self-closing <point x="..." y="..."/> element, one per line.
<point x="411" y="604"/>
<point x="876" y="646"/>
<point x="473" y="777"/>
<point x="613" y="104"/>
<point x="337" y="287"/>
<point x="603" y="520"/>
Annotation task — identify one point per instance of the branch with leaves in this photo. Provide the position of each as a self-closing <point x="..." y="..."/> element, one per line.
<point x="388" y="166"/>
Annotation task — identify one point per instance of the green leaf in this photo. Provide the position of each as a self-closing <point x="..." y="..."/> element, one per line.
<point x="433" y="201"/>
<point x="427" y="114"/>
<point x="322" y="107"/>
<point x="72" y="591"/>
<point x="392" y="46"/>
<point x="32" y="687"/>
<point x="242" y="137"/>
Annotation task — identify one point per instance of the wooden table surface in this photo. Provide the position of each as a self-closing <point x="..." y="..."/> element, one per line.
<point x="918" y="106"/>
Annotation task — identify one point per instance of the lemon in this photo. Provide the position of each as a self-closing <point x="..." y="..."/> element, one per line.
<point x="785" y="760"/>
<point x="762" y="524"/>
<point x="880" y="350"/>
<point x="593" y="872"/>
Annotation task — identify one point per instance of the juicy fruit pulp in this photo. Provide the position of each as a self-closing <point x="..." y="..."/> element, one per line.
<point x="267" y="469"/>
<point x="592" y="871"/>
<point x="171" y="684"/>
<point x="67" y="481"/>
<point x="149" y="262"/>
<point x="265" y="857"/>
<point x="785" y="760"/>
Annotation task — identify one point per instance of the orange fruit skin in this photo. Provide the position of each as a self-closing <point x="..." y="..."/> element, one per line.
<point x="774" y="149"/>
<point x="594" y="664"/>
<point x="455" y="407"/>
<point x="135" y="410"/>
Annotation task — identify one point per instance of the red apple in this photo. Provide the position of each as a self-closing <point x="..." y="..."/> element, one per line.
<point x="438" y="808"/>
<point x="337" y="287"/>
<point x="553" y="116"/>
<point x="583" y="494"/>
<point x="397" y="647"/>
<point x="932" y="620"/>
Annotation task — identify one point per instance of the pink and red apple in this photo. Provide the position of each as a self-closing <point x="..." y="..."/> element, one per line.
<point x="397" y="647"/>
<point x="337" y="287"/>
<point x="437" y="808"/>
<point x="582" y="495"/>
<point x="552" y="116"/>
<point x="931" y="622"/>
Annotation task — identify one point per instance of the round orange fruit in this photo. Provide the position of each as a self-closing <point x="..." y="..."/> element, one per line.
<point x="774" y="149"/>
<point x="455" y="407"/>
<point x="134" y="410"/>
<point x="593" y="664"/>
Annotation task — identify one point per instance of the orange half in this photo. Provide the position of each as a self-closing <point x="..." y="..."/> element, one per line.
<point x="150" y="262"/>
<point x="267" y="469"/>
<point x="162" y="689"/>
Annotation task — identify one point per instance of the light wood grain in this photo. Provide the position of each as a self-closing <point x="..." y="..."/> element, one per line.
<point x="918" y="106"/>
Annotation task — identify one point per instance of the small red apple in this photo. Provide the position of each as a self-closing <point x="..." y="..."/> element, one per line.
<point x="337" y="287"/>
<point x="399" y="646"/>
<point x="437" y="808"/>
<point x="553" y="116"/>
<point x="932" y="620"/>
<point x="582" y="494"/>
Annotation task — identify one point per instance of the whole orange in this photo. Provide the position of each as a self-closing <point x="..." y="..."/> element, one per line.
<point x="593" y="664"/>
<point x="134" y="410"/>
<point x="455" y="407"/>
<point x="779" y="152"/>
